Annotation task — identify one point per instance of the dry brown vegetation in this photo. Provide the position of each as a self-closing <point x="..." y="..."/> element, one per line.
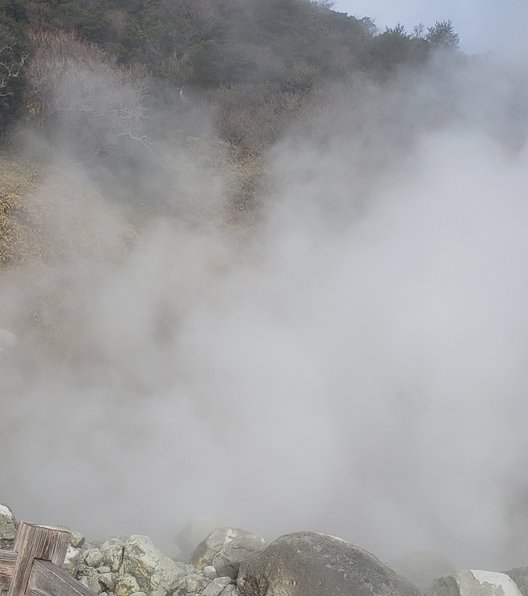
<point x="20" y="220"/>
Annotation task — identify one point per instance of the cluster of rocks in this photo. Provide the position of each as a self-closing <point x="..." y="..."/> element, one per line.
<point x="233" y="562"/>
<point x="135" y="566"/>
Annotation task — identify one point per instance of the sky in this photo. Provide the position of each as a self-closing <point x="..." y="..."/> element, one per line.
<point x="484" y="25"/>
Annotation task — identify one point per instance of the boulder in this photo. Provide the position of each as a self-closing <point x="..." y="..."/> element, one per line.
<point x="112" y="553"/>
<point x="190" y="535"/>
<point x="423" y="568"/>
<point x="7" y="527"/>
<point x="72" y="561"/>
<point x="520" y="577"/>
<point x="475" y="583"/>
<point x="225" y="548"/>
<point x="153" y="570"/>
<point x="310" y="564"/>
<point x="217" y="587"/>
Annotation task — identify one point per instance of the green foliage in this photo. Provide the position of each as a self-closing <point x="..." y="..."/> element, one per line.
<point x="284" y="48"/>
<point x="442" y="35"/>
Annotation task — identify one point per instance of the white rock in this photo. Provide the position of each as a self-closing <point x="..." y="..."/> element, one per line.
<point x="476" y="583"/>
<point x="72" y="560"/>
<point x="503" y="584"/>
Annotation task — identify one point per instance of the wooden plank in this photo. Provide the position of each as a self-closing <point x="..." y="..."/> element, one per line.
<point x="36" y="542"/>
<point x="46" y="578"/>
<point x="7" y="568"/>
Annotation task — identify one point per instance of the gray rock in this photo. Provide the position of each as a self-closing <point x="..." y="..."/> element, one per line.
<point x="103" y="569"/>
<point x="520" y="577"/>
<point x="77" y="539"/>
<point x="107" y="580"/>
<point x="209" y="572"/>
<point x="475" y="583"/>
<point x="126" y="585"/>
<point x="72" y="560"/>
<point x="309" y="564"/>
<point x="113" y="551"/>
<point x="7" y="527"/>
<point x="195" y="582"/>
<point x="91" y="583"/>
<point x="93" y="558"/>
<point x="225" y="549"/>
<point x="423" y="568"/>
<point x="217" y="586"/>
<point x="152" y="569"/>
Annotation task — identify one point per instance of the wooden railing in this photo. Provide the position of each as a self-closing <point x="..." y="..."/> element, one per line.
<point x="33" y="567"/>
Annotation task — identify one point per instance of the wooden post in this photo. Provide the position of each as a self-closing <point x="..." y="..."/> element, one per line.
<point x="36" y="542"/>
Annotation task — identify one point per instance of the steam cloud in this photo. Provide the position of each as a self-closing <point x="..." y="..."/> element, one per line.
<point x="352" y="361"/>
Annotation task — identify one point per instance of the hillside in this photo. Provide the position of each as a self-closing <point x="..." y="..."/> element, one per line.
<point x="256" y="62"/>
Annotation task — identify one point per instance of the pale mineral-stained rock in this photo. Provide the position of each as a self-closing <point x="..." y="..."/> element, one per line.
<point x="153" y="570"/>
<point x="225" y="548"/>
<point x="309" y="564"/>
<point x="93" y="558"/>
<point x="72" y="561"/>
<point x="475" y="583"/>
<point x="126" y="585"/>
<point x="112" y="551"/>
<point x="7" y="527"/>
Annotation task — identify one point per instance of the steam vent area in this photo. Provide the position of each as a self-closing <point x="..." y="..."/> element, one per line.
<point x="232" y="561"/>
<point x="263" y="298"/>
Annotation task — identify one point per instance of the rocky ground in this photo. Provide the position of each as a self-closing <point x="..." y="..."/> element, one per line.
<point x="234" y="562"/>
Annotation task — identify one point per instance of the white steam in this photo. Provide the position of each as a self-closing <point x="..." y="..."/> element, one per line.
<point x="355" y="363"/>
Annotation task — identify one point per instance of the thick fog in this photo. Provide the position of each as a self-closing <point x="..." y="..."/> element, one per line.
<point x="350" y="358"/>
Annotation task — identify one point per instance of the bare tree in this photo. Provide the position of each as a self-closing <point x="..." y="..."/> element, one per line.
<point x="86" y="101"/>
<point x="10" y="69"/>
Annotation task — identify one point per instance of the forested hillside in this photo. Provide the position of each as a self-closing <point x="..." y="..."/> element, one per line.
<point x="256" y="62"/>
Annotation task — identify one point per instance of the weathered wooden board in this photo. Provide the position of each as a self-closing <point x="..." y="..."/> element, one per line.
<point x="35" y="542"/>
<point x="7" y="568"/>
<point x="34" y="566"/>
<point x="46" y="578"/>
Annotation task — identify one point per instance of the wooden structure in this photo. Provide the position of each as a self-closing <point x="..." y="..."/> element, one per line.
<point x="33" y="567"/>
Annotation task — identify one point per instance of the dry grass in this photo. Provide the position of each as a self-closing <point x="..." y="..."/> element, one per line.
<point x="20" y="236"/>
